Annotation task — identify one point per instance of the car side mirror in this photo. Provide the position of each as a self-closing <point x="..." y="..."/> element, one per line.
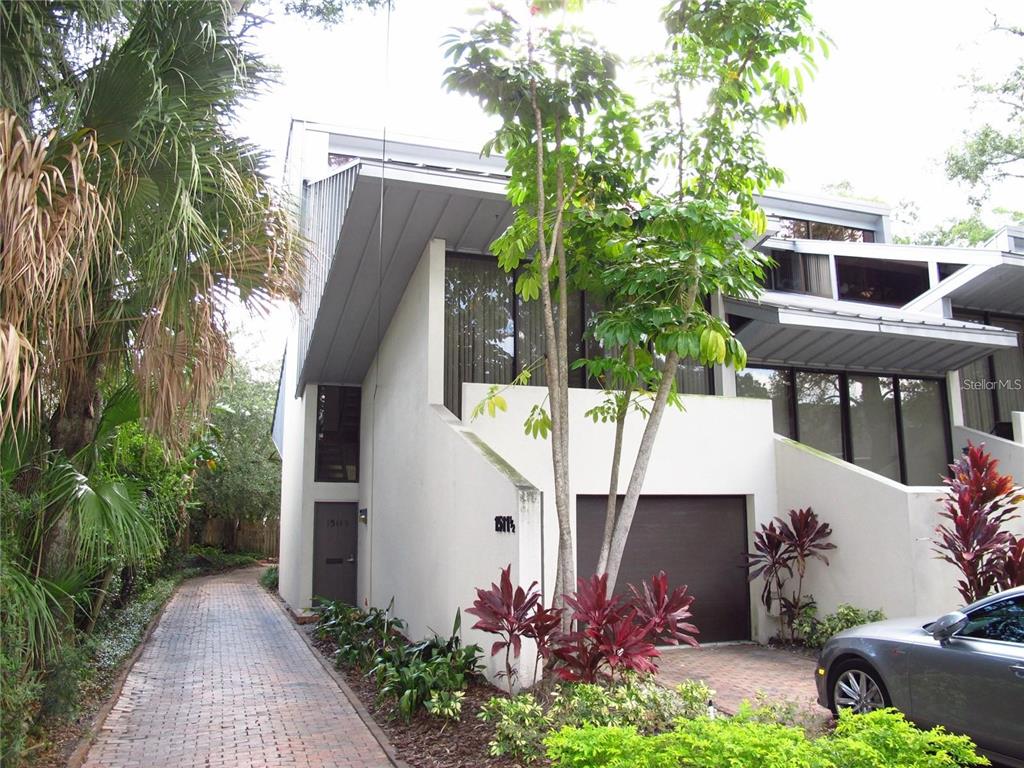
<point x="946" y="626"/>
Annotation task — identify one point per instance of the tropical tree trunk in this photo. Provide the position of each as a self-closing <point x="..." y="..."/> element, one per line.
<point x="636" y="479"/>
<point x="72" y="427"/>
<point x="611" y="511"/>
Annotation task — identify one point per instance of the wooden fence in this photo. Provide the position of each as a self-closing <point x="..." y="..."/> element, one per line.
<point x="258" y="537"/>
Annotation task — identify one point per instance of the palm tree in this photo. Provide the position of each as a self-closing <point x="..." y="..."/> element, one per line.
<point x="144" y="213"/>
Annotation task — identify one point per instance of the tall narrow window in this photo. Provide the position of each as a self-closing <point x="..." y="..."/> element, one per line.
<point x="337" y="434"/>
<point x="873" y="425"/>
<point x="924" y="431"/>
<point x="1009" y="369"/>
<point x="768" y="384"/>
<point x="479" y="333"/>
<point x="819" y="412"/>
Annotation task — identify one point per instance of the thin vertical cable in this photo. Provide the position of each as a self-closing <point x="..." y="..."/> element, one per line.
<point x="371" y="507"/>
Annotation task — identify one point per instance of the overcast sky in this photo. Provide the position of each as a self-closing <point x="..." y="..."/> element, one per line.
<point x="883" y="111"/>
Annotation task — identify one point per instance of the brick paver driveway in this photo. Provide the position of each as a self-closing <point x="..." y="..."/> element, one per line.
<point x="738" y="672"/>
<point x="226" y="681"/>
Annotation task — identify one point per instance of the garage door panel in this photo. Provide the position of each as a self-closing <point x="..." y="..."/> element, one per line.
<point x="697" y="540"/>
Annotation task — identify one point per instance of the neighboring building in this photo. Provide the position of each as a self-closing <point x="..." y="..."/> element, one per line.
<point x="870" y="366"/>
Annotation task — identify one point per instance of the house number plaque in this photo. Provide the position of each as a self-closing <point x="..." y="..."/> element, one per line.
<point x="504" y="524"/>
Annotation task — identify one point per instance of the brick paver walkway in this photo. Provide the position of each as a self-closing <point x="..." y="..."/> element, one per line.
<point x="738" y="672"/>
<point x="225" y="681"/>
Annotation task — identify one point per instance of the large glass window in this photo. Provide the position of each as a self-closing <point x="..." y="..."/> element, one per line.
<point x="993" y="387"/>
<point x="873" y="425"/>
<point x="800" y="273"/>
<point x="924" y="431"/>
<point x="892" y="283"/>
<point x="818" y="412"/>
<point x="802" y="229"/>
<point x="896" y="427"/>
<point x="491" y="334"/>
<point x="1009" y="370"/>
<point x="769" y="384"/>
<point x="337" y="434"/>
<point x="479" y="333"/>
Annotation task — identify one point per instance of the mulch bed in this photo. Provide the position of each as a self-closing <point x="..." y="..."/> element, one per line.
<point x="427" y="741"/>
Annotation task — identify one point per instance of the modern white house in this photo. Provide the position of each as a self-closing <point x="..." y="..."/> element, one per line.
<point x="871" y="365"/>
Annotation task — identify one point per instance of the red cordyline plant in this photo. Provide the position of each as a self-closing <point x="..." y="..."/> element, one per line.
<point x="514" y="614"/>
<point x="979" y="501"/>
<point x="783" y="552"/>
<point x="611" y="635"/>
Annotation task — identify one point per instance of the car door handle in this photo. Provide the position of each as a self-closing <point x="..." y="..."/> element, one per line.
<point x="1018" y="670"/>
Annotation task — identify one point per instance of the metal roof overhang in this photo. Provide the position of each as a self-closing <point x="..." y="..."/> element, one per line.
<point x="997" y="287"/>
<point x="373" y="261"/>
<point x="786" y="329"/>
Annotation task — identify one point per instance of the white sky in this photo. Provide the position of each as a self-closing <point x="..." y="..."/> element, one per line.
<point x="883" y="111"/>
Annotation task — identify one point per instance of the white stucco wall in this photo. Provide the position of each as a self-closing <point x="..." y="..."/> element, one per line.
<point x="717" y="446"/>
<point x="431" y="488"/>
<point x="299" y="493"/>
<point x="1009" y="453"/>
<point x="883" y="532"/>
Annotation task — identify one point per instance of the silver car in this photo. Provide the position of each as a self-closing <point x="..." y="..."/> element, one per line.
<point x="964" y="671"/>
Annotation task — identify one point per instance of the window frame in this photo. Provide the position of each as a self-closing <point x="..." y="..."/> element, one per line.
<point x="844" y="399"/>
<point x="585" y="340"/>
<point x="317" y="474"/>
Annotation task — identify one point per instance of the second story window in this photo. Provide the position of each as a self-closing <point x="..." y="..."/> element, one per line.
<point x="890" y="283"/>
<point x="799" y="273"/>
<point x="337" y="434"/>
<point x="803" y="229"/>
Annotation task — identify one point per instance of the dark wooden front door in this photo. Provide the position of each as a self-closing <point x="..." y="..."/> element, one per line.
<point x="334" y="551"/>
<point x="697" y="540"/>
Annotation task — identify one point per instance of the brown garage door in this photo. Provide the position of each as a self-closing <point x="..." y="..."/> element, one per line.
<point x="697" y="540"/>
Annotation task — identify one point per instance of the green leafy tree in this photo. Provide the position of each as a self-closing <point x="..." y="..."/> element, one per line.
<point x="592" y="211"/>
<point x="546" y="84"/>
<point x="994" y="152"/>
<point x="242" y="480"/>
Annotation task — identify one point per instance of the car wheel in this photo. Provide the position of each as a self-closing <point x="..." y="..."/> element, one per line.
<point x="857" y="686"/>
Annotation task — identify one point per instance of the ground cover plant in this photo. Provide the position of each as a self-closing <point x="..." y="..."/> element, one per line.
<point x="815" y="632"/>
<point x="431" y="674"/>
<point x="881" y="738"/>
<point x="269" y="578"/>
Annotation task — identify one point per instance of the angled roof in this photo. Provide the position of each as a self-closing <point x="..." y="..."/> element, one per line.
<point x="791" y="329"/>
<point x="995" y="285"/>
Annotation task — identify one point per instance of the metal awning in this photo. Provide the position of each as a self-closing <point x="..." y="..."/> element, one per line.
<point x="365" y="265"/>
<point x="997" y="287"/>
<point x="790" y="329"/>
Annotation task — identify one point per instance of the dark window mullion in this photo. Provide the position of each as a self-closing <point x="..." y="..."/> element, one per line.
<point x="844" y="414"/>
<point x="900" y="440"/>
<point x="794" y="420"/>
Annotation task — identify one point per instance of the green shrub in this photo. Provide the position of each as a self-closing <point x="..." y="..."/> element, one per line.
<point x="520" y="724"/>
<point x="886" y="738"/>
<point x="882" y="738"/>
<point x="445" y="704"/>
<point x="429" y="674"/>
<point x="219" y="560"/>
<point x="269" y="578"/>
<point x="59" y="697"/>
<point x="816" y="632"/>
<point x="19" y="694"/>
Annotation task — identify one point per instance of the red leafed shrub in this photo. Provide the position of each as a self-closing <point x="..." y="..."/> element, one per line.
<point x="979" y="501"/>
<point x="1011" y="568"/>
<point x="611" y="634"/>
<point x="782" y="552"/>
<point x="666" y="612"/>
<point x="513" y="614"/>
